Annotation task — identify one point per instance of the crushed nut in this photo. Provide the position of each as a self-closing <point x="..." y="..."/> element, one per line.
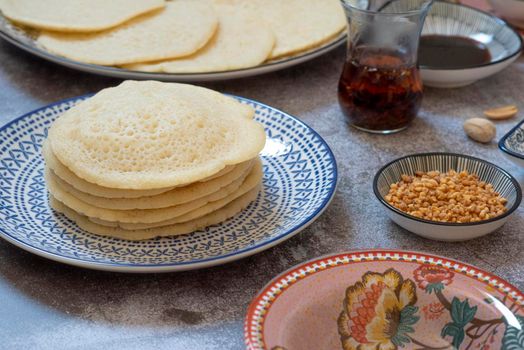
<point x="457" y="197"/>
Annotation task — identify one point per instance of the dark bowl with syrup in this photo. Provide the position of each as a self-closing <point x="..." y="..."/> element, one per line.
<point x="461" y="45"/>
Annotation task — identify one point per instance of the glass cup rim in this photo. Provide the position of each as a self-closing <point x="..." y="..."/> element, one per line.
<point x="422" y="9"/>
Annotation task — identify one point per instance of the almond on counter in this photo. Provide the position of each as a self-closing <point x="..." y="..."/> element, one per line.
<point x="480" y="129"/>
<point x="501" y="113"/>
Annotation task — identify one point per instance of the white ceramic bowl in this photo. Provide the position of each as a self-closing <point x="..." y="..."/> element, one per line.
<point x="455" y="78"/>
<point x="503" y="42"/>
<point x="512" y="144"/>
<point x="512" y="10"/>
<point x="501" y="180"/>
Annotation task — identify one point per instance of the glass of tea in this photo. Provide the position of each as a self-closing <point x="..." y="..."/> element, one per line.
<point x="380" y="89"/>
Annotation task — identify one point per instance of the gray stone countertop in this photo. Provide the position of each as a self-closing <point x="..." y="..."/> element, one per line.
<point x="47" y="305"/>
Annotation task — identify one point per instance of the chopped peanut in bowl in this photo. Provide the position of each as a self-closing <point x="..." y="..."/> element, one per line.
<point x="457" y="197"/>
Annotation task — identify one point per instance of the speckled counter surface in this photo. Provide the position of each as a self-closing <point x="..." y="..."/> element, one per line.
<point x="46" y="305"/>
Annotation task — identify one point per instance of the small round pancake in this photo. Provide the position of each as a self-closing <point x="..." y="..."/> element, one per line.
<point x="81" y="185"/>
<point x="241" y="41"/>
<point x="214" y="218"/>
<point x="148" y="216"/>
<point x="68" y="176"/>
<point x="192" y="215"/>
<point x="148" y="135"/>
<point x="75" y="15"/>
<point x="176" y="196"/>
<point x="179" y="29"/>
<point x="298" y="25"/>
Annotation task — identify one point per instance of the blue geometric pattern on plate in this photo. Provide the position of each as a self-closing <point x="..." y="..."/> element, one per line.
<point x="300" y="177"/>
<point x="513" y="142"/>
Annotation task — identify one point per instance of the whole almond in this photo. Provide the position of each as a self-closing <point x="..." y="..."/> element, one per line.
<point x="501" y="113"/>
<point x="480" y="129"/>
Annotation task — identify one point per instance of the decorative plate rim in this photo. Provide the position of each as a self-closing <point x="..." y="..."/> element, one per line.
<point x="510" y="211"/>
<point x="502" y="142"/>
<point x="492" y="63"/>
<point x="267" y="295"/>
<point x="195" y="264"/>
<point x="271" y="66"/>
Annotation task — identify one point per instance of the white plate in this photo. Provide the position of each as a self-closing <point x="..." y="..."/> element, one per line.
<point x="26" y="41"/>
<point x="502" y="182"/>
<point x="502" y="41"/>
<point x="300" y="177"/>
<point x="455" y="78"/>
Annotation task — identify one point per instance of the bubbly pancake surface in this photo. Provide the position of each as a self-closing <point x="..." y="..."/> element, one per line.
<point x="179" y="29"/>
<point x="149" y="135"/>
<point x="92" y="189"/>
<point x="75" y="15"/>
<point x="82" y="185"/>
<point x="298" y="25"/>
<point x="172" y="157"/>
<point x="242" y="40"/>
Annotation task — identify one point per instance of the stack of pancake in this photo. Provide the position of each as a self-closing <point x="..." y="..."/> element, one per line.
<point x="148" y="159"/>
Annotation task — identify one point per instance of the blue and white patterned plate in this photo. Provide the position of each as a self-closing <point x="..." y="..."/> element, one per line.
<point x="300" y="177"/>
<point x="512" y="144"/>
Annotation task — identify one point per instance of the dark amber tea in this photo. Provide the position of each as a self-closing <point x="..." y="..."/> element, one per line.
<point x="378" y="91"/>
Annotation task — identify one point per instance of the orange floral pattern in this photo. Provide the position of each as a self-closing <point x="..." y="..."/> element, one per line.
<point x="433" y="311"/>
<point x="378" y="312"/>
<point x="432" y="278"/>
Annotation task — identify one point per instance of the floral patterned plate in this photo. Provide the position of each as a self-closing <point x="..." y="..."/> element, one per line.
<point x="386" y="300"/>
<point x="512" y="144"/>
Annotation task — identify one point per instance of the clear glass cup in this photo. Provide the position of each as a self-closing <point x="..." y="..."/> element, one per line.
<point x="380" y="89"/>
